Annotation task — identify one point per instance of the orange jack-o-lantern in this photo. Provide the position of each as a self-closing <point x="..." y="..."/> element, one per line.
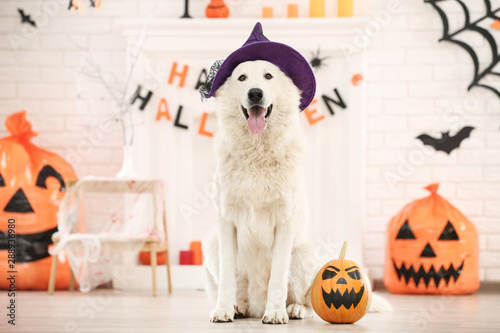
<point x="217" y="9"/>
<point x="432" y="248"/>
<point x="31" y="187"/>
<point x="341" y="293"/>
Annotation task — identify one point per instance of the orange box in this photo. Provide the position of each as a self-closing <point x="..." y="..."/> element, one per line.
<point x="196" y="258"/>
<point x="292" y="10"/>
<point x="345" y="8"/>
<point x="196" y="253"/>
<point x="316" y="8"/>
<point x="267" y="12"/>
<point x="195" y="246"/>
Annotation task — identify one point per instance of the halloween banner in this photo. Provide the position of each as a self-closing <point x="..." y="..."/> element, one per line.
<point x="169" y="92"/>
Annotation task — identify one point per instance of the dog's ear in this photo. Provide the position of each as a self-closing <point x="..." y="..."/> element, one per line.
<point x="207" y="87"/>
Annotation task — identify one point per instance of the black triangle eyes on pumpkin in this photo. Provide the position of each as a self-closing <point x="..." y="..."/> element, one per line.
<point x="2" y="182"/>
<point x="449" y="233"/>
<point x="355" y="274"/>
<point x="328" y="274"/>
<point x="405" y="232"/>
<point x="46" y="172"/>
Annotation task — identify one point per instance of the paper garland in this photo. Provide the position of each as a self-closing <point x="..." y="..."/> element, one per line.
<point x="178" y="78"/>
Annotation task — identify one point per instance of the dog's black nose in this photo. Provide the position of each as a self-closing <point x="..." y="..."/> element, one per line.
<point x="255" y="95"/>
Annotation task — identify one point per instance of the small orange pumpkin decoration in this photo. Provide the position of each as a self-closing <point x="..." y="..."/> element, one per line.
<point x="32" y="184"/>
<point x="432" y="248"/>
<point x="341" y="293"/>
<point x="217" y="9"/>
<point x="357" y="80"/>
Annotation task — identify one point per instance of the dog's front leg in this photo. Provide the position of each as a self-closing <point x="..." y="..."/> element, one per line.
<point x="278" y="282"/>
<point x="226" y="296"/>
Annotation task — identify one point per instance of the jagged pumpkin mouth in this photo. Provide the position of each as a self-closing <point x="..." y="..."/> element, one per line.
<point x="408" y="272"/>
<point x="347" y="299"/>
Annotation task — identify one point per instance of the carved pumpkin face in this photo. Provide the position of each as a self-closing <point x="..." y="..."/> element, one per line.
<point x="432" y="248"/>
<point x="31" y="188"/>
<point x="341" y="293"/>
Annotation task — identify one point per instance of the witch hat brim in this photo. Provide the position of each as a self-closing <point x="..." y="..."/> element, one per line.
<point x="258" y="47"/>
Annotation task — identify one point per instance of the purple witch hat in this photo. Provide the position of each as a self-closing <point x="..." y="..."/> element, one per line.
<point x="258" y="47"/>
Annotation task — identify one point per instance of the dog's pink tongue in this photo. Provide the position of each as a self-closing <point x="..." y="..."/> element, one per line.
<point x="257" y="119"/>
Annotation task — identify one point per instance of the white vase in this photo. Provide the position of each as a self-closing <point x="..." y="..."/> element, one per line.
<point x="128" y="170"/>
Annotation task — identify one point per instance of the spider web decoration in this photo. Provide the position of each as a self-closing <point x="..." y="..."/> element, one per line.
<point x="481" y="75"/>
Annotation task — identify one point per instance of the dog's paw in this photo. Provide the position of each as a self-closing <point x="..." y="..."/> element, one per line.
<point x="275" y="316"/>
<point x="222" y="315"/>
<point x="240" y="311"/>
<point x="297" y="311"/>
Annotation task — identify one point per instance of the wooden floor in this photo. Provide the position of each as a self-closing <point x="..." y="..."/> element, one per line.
<point x="187" y="311"/>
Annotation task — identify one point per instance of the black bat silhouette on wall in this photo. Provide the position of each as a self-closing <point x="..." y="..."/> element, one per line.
<point x="26" y="18"/>
<point x="446" y="143"/>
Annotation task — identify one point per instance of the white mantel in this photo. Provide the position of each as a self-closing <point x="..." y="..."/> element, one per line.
<point x="218" y="34"/>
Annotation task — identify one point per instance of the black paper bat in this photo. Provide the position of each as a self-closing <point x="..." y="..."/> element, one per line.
<point x="26" y="18"/>
<point x="446" y="143"/>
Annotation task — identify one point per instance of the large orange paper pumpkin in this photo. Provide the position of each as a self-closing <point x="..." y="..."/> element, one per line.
<point x="432" y="248"/>
<point x="341" y="292"/>
<point x="31" y="187"/>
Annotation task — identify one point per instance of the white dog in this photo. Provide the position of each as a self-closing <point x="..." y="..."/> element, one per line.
<point x="257" y="259"/>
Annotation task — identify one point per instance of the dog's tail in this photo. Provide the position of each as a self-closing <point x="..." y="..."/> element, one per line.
<point x="380" y="304"/>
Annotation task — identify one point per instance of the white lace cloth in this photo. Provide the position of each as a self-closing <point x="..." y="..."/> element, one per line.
<point x="100" y="216"/>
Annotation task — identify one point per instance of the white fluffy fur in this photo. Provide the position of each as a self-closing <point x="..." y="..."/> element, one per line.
<point x="256" y="259"/>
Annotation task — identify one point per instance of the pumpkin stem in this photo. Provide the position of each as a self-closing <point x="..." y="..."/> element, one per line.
<point x="343" y="250"/>
<point x="433" y="188"/>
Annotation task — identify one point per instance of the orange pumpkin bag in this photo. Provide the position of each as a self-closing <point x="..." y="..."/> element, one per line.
<point x="31" y="188"/>
<point x="432" y="248"/>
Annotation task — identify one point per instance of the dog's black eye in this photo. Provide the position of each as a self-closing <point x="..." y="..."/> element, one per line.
<point x="268" y="76"/>
<point x="242" y="77"/>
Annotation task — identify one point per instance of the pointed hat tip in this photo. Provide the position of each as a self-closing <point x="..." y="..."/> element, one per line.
<point x="433" y="188"/>
<point x="257" y="35"/>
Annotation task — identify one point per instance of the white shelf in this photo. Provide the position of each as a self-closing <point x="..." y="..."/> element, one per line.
<point x="218" y="34"/>
<point x="183" y="277"/>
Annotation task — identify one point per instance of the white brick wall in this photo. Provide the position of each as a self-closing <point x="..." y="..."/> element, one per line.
<point x="414" y="85"/>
